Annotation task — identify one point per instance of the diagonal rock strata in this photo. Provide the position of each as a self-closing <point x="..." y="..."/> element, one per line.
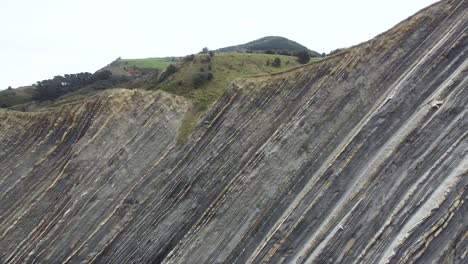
<point x="359" y="158"/>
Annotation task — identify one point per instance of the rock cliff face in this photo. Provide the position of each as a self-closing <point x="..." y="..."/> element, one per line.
<point x="359" y="158"/>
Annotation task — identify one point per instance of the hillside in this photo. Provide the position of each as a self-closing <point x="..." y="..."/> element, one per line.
<point x="360" y="157"/>
<point x="204" y="79"/>
<point x="132" y="67"/>
<point x="272" y="43"/>
<point x="12" y="97"/>
<point x="146" y="74"/>
<point x="225" y="67"/>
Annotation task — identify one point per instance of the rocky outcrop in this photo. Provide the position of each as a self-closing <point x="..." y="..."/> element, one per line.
<point x="359" y="158"/>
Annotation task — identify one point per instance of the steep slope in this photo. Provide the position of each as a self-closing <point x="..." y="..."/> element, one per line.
<point x="273" y="43"/>
<point x="360" y="157"/>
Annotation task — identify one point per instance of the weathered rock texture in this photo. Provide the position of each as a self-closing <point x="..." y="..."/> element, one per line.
<point x="360" y="158"/>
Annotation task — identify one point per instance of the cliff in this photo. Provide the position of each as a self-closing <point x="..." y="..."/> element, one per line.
<point x="358" y="158"/>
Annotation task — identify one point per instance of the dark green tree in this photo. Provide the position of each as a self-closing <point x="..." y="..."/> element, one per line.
<point x="171" y="69"/>
<point x="276" y="62"/>
<point x="303" y="57"/>
<point x="189" y="57"/>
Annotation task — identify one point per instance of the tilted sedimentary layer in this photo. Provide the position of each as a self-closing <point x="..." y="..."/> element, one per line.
<point x="359" y="158"/>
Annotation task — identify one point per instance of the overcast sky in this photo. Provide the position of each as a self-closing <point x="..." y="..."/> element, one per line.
<point x="41" y="39"/>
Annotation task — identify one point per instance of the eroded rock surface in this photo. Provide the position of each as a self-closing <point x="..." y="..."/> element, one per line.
<point x="359" y="158"/>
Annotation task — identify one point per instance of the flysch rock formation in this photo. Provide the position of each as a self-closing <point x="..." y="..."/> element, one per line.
<point x="358" y="158"/>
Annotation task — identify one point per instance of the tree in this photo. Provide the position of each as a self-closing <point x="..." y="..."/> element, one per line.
<point x="276" y="62"/>
<point x="116" y="62"/>
<point x="171" y="69"/>
<point x="211" y="53"/>
<point x="9" y="88"/>
<point x="198" y="80"/>
<point x="201" y="78"/>
<point x="189" y="57"/>
<point x="59" y="85"/>
<point x="205" y="50"/>
<point x="303" y="57"/>
<point x="102" y="75"/>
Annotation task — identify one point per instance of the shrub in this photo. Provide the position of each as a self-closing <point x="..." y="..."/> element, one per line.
<point x="116" y="62"/>
<point x="206" y="59"/>
<point x="198" y="80"/>
<point x="211" y="53"/>
<point x="276" y="62"/>
<point x="102" y="75"/>
<point x="189" y="57"/>
<point x="202" y="78"/>
<point x="171" y="69"/>
<point x="303" y="57"/>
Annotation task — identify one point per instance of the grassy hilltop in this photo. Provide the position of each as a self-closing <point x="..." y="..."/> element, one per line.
<point x="224" y="67"/>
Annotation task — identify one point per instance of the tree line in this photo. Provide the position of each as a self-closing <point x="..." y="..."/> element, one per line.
<point x="59" y="85"/>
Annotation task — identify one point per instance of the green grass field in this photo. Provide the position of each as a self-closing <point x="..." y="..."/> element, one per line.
<point x="149" y="63"/>
<point x="225" y="68"/>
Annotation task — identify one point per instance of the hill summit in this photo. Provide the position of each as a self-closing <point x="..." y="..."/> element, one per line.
<point x="273" y="43"/>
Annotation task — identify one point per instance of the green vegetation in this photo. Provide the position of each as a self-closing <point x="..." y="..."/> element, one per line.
<point x="189" y="123"/>
<point x="149" y="63"/>
<point x="303" y="57"/>
<point x="12" y="97"/>
<point x="203" y="78"/>
<point x="138" y="67"/>
<point x="271" y="45"/>
<point x="51" y="89"/>
<point x="276" y="62"/>
<point x="224" y="68"/>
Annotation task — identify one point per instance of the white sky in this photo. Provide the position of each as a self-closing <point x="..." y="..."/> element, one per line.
<point x="43" y="38"/>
